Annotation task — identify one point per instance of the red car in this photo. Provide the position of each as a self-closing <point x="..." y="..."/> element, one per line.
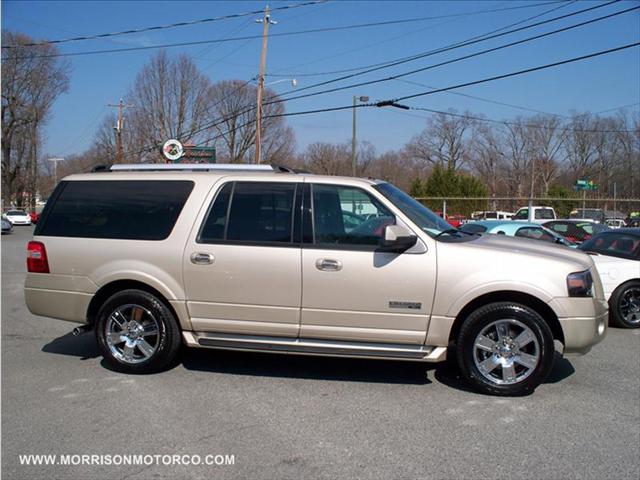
<point x="454" y="220"/>
<point x="34" y="217"/>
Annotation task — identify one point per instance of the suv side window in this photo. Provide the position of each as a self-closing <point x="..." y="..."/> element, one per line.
<point x="115" y="209"/>
<point x="251" y="212"/>
<point x="216" y="221"/>
<point x="347" y="216"/>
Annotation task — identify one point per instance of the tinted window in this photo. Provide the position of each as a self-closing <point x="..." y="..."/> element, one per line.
<point x="119" y="209"/>
<point x="522" y="214"/>
<point x="424" y="218"/>
<point x="614" y="244"/>
<point x="348" y="216"/>
<point x="214" y="225"/>
<point x="261" y="212"/>
<point x="535" y="233"/>
<point x="544" y="213"/>
<point x="473" y="228"/>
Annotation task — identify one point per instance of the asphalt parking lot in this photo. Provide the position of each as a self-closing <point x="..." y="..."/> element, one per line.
<point x="291" y="416"/>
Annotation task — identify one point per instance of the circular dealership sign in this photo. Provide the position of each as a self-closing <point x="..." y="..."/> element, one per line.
<point x="172" y="149"/>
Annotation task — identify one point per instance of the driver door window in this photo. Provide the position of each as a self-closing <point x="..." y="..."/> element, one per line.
<point x="347" y="216"/>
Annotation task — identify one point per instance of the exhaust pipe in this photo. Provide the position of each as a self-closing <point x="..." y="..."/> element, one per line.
<point x="80" y="330"/>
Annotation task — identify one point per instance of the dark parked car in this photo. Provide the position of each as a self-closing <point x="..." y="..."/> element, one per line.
<point x="577" y="231"/>
<point x="6" y="226"/>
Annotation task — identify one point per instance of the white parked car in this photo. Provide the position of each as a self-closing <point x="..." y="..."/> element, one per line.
<point x="540" y="214"/>
<point x="615" y="223"/>
<point x="616" y="254"/>
<point x="18" y="217"/>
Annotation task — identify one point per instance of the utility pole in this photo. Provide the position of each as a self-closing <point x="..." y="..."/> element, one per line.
<point x="266" y="21"/>
<point x="354" y="161"/>
<point x="118" y="129"/>
<point x="55" y="169"/>
<point x="354" y="144"/>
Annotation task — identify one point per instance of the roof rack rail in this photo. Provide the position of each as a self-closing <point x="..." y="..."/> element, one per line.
<point x="170" y="167"/>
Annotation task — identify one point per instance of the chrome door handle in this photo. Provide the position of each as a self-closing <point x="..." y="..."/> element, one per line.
<point x="202" y="258"/>
<point x="328" y="265"/>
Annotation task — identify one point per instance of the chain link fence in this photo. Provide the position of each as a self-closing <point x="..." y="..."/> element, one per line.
<point x="465" y="206"/>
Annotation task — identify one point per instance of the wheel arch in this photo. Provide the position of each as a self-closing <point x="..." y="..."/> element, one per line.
<point x="111" y="288"/>
<point x="543" y="309"/>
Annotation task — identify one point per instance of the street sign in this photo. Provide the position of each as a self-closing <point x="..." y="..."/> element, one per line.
<point x="584" y="185"/>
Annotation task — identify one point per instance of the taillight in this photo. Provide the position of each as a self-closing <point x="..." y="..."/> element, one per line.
<point x="37" y="258"/>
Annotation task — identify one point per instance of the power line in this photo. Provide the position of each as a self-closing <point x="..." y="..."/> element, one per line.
<point x="465" y="57"/>
<point x="392" y="102"/>
<point x="233" y="39"/>
<point x="466" y="43"/>
<point x="353" y="69"/>
<point x="519" y="72"/>
<point x="515" y="124"/>
<point x="622" y="107"/>
<point x="395" y="77"/>
<point x="482" y="99"/>
<point x="161" y="27"/>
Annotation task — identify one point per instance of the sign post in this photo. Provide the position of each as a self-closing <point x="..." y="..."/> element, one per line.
<point x="584" y="185"/>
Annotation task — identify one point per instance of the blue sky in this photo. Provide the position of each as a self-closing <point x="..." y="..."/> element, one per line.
<point x="593" y="85"/>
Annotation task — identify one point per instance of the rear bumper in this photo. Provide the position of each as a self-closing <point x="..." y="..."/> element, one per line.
<point x="64" y="305"/>
<point x="587" y="328"/>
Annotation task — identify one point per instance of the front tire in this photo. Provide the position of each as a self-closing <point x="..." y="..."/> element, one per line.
<point x="505" y="348"/>
<point x="624" y="305"/>
<point x="137" y="333"/>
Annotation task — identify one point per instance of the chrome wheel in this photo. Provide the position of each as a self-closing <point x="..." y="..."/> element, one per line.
<point x="629" y="305"/>
<point x="132" y="334"/>
<point x="506" y="352"/>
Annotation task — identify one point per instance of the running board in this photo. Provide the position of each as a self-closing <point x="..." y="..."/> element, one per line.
<point x="315" y="347"/>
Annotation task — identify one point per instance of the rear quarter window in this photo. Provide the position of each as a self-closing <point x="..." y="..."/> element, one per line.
<point x="115" y="209"/>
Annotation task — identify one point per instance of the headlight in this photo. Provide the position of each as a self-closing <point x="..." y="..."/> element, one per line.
<point x="580" y="284"/>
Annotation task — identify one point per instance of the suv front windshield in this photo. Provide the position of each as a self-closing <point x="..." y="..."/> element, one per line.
<point x="424" y="218"/>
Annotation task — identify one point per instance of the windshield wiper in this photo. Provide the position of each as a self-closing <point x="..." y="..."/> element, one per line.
<point x="449" y="231"/>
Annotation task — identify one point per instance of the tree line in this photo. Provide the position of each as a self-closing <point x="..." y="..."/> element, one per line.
<point x="455" y="154"/>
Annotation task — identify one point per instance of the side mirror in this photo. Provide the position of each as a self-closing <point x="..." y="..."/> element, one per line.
<point x="397" y="238"/>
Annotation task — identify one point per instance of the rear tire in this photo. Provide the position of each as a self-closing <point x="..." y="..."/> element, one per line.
<point x="624" y="305"/>
<point x="137" y="333"/>
<point x="505" y="348"/>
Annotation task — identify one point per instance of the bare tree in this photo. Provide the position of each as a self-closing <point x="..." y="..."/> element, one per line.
<point x="627" y="166"/>
<point x="232" y="105"/>
<point x="488" y="157"/>
<point x="328" y="158"/>
<point x="547" y="138"/>
<point x="396" y="167"/>
<point x="581" y="144"/>
<point x="31" y="82"/>
<point x="169" y="100"/>
<point x="517" y="151"/>
<point x="443" y="142"/>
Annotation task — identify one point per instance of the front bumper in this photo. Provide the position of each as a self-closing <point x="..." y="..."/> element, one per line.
<point x="583" y="321"/>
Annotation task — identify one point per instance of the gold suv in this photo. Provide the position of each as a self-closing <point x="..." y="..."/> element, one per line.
<point x="261" y="258"/>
